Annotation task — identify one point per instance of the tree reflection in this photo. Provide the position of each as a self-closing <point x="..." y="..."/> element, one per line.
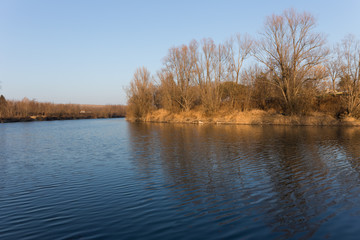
<point x="285" y="178"/>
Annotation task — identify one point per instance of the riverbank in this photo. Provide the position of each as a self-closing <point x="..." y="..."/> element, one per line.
<point x="253" y="117"/>
<point x="31" y="110"/>
<point x="50" y="118"/>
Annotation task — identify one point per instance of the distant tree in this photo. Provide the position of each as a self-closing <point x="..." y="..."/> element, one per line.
<point x="2" y="100"/>
<point x="3" y="105"/>
<point x="290" y="51"/>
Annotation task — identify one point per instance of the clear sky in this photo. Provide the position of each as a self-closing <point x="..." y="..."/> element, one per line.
<point x="86" y="51"/>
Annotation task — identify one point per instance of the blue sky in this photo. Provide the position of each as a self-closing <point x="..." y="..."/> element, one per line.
<point x="86" y="51"/>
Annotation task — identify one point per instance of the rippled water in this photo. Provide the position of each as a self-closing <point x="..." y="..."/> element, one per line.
<point x="110" y="179"/>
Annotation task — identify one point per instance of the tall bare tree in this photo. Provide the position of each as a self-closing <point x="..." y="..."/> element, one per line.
<point x="239" y="49"/>
<point x="333" y="68"/>
<point x="180" y="64"/>
<point x="349" y="55"/>
<point x="211" y="62"/>
<point x="208" y="52"/>
<point x="290" y="50"/>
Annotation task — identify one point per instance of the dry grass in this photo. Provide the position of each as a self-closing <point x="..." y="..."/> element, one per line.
<point x="252" y="117"/>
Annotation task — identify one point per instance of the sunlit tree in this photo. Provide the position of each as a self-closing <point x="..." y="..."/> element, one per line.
<point x="140" y="94"/>
<point x="349" y="59"/>
<point x="290" y="50"/>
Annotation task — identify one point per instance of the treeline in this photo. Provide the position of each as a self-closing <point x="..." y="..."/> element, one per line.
<point x="28" y="110"/>
<point x="288" y="68"/>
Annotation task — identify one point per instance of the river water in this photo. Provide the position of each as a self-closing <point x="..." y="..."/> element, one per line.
<point x="110" y="179"/>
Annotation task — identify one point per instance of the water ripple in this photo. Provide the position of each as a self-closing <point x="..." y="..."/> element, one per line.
<point x="102" y="179"/>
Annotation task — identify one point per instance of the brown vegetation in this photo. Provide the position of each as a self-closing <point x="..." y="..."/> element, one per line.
<point x="30" y="110"/>
<point x="292" y="55"/>
<point x="252" y="117"/>
<point x="292" y="78"/>
<point x="140" y="94"/>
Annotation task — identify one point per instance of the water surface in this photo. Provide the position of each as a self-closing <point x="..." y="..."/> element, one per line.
<point x="110" y="179"/>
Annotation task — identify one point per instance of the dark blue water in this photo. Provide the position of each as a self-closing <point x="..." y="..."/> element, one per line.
<point x="110" y="179"/>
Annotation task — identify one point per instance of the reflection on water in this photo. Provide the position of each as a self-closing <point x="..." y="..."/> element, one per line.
<point x="257" y="181"/>
<point x="110" y="179"/>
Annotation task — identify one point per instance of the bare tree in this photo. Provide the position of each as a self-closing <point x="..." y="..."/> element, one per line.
<point x="211" y="61"/>
<point x="208" y="51"/>
<point x="333" y="68"/>
<point x="349" y="57"/>
<point x="290" y="50"/>
<point x="168" y="91"/>
<point x="180" y="64"/>
<point x="140" y="94"/>
<point x="239" y="49"/>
